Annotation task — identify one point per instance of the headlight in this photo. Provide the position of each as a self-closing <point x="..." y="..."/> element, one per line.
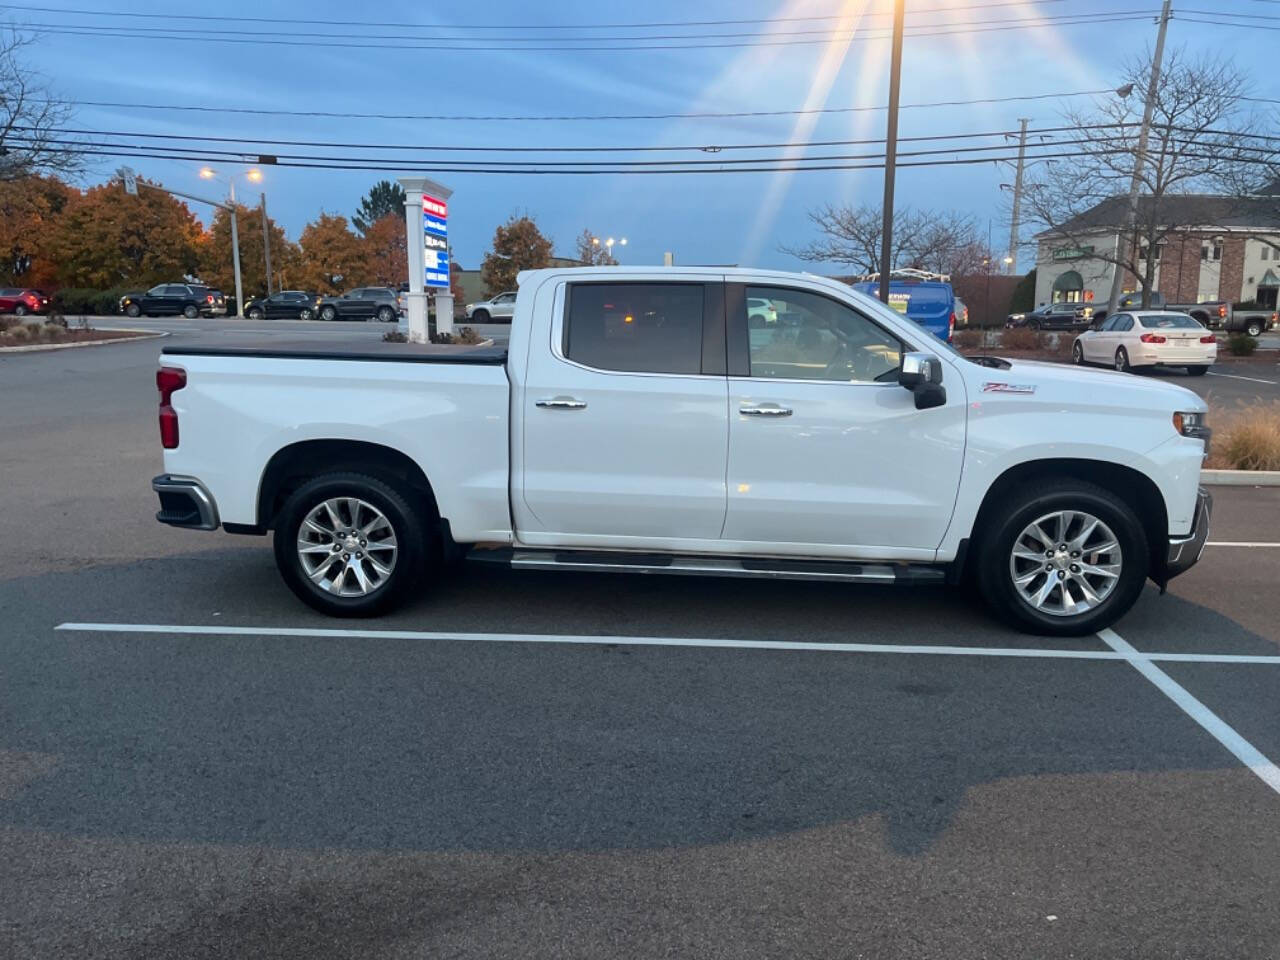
<point x="1192" y="425"/>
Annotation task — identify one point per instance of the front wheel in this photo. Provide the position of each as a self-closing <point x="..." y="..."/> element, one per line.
<point x="133" y="310"/>
<point x="1198" y="371"/>
<point x="1254" y="329"/>
<point x="480" y="316"/>
<point x="1077" y="354"/>
<point x="350" y="545"/>
<point x="256" y="313"/>
<point x="1033" y="325"/>
<point x="1063" y="558"/>
<point x="1122" y="360"/>
<point x="386" y="314"/>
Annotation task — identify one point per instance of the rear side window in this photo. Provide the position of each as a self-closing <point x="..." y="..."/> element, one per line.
<point x="636" y="327"/>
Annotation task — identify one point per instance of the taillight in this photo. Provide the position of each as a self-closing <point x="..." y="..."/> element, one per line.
<point x="168" y="381"/>
<point x="1222" y="310"/>
<point x="1151" y="338"/>
<point x="209" y="298"/>
<point x="1209" y="339"/>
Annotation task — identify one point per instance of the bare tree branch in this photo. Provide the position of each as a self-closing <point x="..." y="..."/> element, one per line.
<point x="29" y="116"/>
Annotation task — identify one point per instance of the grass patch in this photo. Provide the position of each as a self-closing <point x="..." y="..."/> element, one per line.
<point x="1246" y="438"/>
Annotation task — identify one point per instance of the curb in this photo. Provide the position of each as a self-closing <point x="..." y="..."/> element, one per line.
<point x="1240" y="478"/>
<point x="144" y="335"/>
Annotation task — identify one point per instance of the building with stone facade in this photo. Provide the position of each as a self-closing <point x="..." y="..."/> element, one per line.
<point x="1229" y="249"/>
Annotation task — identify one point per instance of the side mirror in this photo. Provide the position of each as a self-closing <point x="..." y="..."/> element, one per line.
<point x="921" y="373"/>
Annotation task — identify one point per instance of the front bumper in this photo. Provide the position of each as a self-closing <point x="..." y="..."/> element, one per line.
<point x="185" y="502"/>
<point x="1185" y="551"/>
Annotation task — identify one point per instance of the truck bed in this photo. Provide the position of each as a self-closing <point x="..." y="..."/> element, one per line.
<point x="355" y="350"/>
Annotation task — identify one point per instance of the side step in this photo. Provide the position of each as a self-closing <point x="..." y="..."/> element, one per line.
<point x="773" y="568"/>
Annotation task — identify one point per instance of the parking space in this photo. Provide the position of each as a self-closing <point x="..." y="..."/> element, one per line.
<point x="528" y="764"/>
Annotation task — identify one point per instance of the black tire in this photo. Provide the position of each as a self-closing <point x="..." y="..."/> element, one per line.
<point x="20" y="310"/>
<point x="386" y="314"/>
<point x="328" y="313"/>
<point x="1122" y="361"/>
<point x="1254" y="329"/>
<point x="480" y="316"/>
<point x="1077" y="354"/>
<point x="190" y="311"/>
<point x="408" y="521"/>
<point x="306" y="313"/>
<point x="1198" y="371"/>
<point x="1033" y="325"/>
<point x="255" y="313"/>
<point x="1026" y="504"/>
<point x="133" y="310"/>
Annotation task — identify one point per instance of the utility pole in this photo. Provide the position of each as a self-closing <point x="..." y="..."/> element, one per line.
<point x="1017" y="197"/>
<point x="1131" y="214"/>
<point x="235" y="247"/>
<point x="891" y="149"/>
<point x="266" y="242"/>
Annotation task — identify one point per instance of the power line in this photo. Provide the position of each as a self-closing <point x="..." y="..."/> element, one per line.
<point x="290" y="21"/>
<point x="454" y="47"/>
<point x="544" y="118"/>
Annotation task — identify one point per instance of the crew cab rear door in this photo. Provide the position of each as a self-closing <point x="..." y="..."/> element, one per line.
<point x="827" y="453"/>
<point x="624" y="417"/>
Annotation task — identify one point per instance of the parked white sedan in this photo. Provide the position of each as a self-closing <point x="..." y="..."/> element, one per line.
<point x="1145" y="338"/>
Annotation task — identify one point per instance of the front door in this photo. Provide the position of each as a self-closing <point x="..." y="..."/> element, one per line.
<point x="623" y="418"/>
<point x="827" y="453"/>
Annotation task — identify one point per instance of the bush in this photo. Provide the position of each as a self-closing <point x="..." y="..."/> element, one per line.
<point x="1241" y="345"/>
<point x="1020" y="338"/>
<point x="394" y="336"/>
<point x="967" y="339"/>
<point x="86" y="300"/>
<point x="464" y="335"/>
<point x="1246" y="439"/>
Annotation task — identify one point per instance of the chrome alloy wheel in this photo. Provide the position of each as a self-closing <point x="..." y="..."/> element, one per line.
<point x="1065" y="563"/>
<point x="347" y="547"/>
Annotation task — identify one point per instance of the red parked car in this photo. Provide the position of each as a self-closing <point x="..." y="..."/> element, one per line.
<point x="20" y="301"/>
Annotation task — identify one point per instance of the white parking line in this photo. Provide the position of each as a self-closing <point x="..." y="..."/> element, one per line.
<point x="1244" y="751"/>
<point x="1236" y="376"/>
<point x="1241" y="543"/>
<point x="707" y="642"/>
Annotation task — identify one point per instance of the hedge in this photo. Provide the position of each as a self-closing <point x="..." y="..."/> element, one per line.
<point x="85" y="300"/>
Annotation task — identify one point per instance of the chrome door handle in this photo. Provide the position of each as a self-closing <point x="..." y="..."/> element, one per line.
<point x="765" y="410"/>
<point x="561" y="403"/>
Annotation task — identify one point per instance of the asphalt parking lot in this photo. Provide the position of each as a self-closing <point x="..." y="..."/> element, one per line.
<point x="194" y="765"/>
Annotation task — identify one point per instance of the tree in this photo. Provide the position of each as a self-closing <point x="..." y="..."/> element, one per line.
<point x="592" y="252"/>
<point x="940" y="242"/>
<point x="29" y="212"/>
<point x="384" y="199"/>
<point x="216" y="266"/>
<point x="333" y="258"/>
<point x="1200" y="140"/>
<point x="387" y="251"/>
<point x="455" y="282"/>
<point x="30" y="116"/>
<point x="106" y="238"/>
<point x="518" y="245"/>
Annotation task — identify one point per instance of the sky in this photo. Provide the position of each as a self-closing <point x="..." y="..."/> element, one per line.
<point x="101" y="54"/>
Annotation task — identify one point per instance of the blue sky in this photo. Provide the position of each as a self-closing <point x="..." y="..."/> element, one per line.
<point x="741" y="218"/>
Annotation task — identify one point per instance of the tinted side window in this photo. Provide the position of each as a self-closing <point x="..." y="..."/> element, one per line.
<point x="810" y="337"/>
<point x="636" y="327"/>
<point x="175" y="290"/>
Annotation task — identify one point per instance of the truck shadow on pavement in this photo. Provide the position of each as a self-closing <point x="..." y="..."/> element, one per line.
<point x="375" y="743"/>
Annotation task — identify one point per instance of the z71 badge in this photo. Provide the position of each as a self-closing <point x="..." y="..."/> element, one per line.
<point x="1008" y="388"/>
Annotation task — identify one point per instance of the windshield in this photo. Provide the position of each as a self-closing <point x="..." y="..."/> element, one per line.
<point x="1167" y="321"/>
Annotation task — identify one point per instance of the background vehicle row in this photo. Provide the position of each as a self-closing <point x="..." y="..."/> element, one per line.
<point x="191" y="300"/>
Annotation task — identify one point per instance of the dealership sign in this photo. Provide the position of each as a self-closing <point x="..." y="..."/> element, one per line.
<point x="435" y="237"/>
<point x="1072" y="253"/>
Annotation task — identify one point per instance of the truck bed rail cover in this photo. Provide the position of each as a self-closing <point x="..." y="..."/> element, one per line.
<point x="376" y="351"/>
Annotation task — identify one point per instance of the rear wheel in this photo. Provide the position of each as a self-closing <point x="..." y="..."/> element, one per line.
<point x="190" y="311"/>
<point x="20" y="310"/>
<point x="351" y="545"/>
<point x="1122" y="360"/>
<point x="1198" y="371"/>
<point x="306" y="313"/>
<point x="1254" y="329"/>
<point x="1065" y="558"/>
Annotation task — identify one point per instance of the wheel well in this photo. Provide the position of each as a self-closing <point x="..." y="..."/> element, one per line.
<point x="1136" y="489"/>
<point x="297" y="463"/>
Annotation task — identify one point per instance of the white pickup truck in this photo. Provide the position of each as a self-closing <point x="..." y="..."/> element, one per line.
<point x="637" y="422"/>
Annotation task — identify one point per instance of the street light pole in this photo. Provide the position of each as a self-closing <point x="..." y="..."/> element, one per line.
<point x="235" y="251"/>
<point x="891" y="148"/>
<point x="1135" y="184"/>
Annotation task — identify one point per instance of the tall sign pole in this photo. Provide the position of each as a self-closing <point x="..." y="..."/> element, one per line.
<point x="1012" y="262"/>
<point x="891" y="149"/>
<point x="1131" y="212"/>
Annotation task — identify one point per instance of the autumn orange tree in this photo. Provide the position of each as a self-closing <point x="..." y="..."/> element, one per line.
<point x="29" y="212"/>
<point x="333" y="257"/>
<point x="216" y="267"/>
<point x="105" y="238"/>
<point x="387" y="250"/>
<point x="518" y="245"/>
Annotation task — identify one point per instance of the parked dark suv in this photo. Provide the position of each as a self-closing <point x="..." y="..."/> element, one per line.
<point x="363" y="303"/>
<point x="1054" y="316"/>
<point x="284" y="305"/>
<point x="170" y="299"/>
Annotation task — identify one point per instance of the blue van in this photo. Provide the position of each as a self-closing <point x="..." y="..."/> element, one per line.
<point x="930" y="303"/>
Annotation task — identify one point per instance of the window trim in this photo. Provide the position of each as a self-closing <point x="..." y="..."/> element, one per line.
<point x="739" y="337"/>
<point x="711" y="362"/>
